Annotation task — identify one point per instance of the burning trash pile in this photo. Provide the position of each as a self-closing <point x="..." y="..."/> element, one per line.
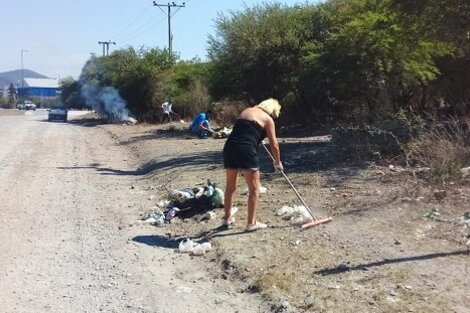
<point x="105" y="100"/>
<point x="186" y="203"/>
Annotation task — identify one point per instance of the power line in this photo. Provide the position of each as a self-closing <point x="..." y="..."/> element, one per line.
<point x="138" y="26"/>
<point x="169" y="15"/>
<point x="133" y="21"/>
<point x="150" y="24"/>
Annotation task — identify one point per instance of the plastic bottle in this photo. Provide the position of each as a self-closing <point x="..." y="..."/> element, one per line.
<point x="171" y="213"/>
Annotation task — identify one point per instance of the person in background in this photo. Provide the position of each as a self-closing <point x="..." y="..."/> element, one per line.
<point x="201" y="125"/>
<point x="167" y="110"/>
<point x="240" y="153"/>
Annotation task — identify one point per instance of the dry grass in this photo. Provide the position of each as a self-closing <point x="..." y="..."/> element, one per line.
<point x="444" y="147"/>
<point x="273" y="279"/>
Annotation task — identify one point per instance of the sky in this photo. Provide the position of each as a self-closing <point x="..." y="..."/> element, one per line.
<point x="56" y="37"/>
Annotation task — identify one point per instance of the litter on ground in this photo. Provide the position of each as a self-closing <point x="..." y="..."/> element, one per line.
<point x="297" y="214"/>
<point x="153" y="217"/>
<point x="189" y="246"/>
<point x="261" y="190"/>
<point x="187" y="203"/>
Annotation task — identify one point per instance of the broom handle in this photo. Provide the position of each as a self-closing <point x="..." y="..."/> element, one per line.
<point x="292" y="186"/>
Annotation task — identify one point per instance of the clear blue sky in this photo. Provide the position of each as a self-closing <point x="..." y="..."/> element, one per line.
<point x="60" y="34"/>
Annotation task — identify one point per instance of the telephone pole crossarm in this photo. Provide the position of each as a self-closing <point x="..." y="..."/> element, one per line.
<point x="106" y="46"/>
<point x="169" y="15"/>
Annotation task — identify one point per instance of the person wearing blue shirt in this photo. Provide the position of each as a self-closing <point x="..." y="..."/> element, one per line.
<point x="201" y="125"/>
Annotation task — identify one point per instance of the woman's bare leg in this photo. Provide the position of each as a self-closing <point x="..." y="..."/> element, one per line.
<point x="252" y="180"/>
<point x="231" y="179"/>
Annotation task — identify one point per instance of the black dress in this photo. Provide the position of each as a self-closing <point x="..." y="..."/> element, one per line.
<point x="241" y="147"/>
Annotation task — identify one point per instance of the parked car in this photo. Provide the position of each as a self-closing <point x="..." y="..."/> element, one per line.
<point x="26" y="105"/>
<point x="57" y="113"/>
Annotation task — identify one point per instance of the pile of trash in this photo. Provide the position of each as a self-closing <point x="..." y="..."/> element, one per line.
<point x="223" y="133"/>
<point x="185" y="203"/>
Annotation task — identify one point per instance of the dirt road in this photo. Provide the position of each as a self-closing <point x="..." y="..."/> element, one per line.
<point x="68" y="231"/>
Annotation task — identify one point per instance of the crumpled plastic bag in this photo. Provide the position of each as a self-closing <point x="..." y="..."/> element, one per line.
<point x="218" y="197"/>
<point x="223" y="133"/>
<point x="154" y="217"/>
<point x="202" y="248"/>
<point x="186" y="245"/>
<point x="262" y="190"/>
<point x="180" y="196"/>
<point x="189" y="246"/>
<point x="297" y="214"/>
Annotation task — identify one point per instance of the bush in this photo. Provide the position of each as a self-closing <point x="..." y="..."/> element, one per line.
<point x="443" y="146"/>
<point x="227" y="112"/>
<point x="382" y="140"/>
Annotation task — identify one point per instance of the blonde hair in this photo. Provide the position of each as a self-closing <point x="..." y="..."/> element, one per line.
<point x="270" y="106"/>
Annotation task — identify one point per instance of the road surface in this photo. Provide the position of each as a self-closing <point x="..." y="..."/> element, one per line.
<point x="68" y="231"/>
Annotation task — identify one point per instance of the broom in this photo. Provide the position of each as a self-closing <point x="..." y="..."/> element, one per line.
<point x="314" y="221"/>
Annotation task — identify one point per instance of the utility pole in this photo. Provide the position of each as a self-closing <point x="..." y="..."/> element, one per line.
<point x="106" y="44"/>
<point x="169" y="15"/>
<point x="22" y="75"/>
<point x="102" y="43"/>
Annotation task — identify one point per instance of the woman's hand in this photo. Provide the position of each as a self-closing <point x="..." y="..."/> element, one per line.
<point x="278" y="166"/>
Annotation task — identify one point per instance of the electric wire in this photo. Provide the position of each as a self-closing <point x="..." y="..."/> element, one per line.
<point x="139" y="29"/>
<point x="130" y="32"/>
<point x="132" y="22"/>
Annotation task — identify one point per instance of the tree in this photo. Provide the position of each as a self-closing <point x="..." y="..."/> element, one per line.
<point x="256" y="52"/>
<point x="448" y="22"/>
<point x="70" y="93"/>
<point x="349" y="58"/>
<point x="12" y="95"/>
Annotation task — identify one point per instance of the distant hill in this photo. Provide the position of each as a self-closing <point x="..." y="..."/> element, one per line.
<point x="15" y="77"/>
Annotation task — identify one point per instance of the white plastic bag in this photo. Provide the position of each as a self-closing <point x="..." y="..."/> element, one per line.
<point x="298" y="214"/>
<point x="201" y="249"/>
<point x="186" y="246"/>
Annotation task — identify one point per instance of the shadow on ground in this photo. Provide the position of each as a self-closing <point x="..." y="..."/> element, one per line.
<point x="87" y="122"/>
<point x="158" y="241"/>
<point x="169" y="132"/>
<point x="316" y="158"/>
<point x="201" y="159"/>
<point x="363" y="267"/>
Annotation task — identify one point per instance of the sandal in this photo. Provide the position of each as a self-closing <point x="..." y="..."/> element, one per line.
<point x="231" y="219"/>
<point x="228" y="222"/>
<point x="255" y="226"/>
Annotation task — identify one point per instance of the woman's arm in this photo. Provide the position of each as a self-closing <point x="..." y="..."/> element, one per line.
<point x="273" y="143"/>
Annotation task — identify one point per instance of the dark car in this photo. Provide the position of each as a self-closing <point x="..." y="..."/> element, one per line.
<point x="57" y="113"/>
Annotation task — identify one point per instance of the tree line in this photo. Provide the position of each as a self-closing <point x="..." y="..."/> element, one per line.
<point x="339" y="60"/>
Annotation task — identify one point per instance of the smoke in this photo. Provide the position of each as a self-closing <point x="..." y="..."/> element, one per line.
<point x="105" y="100"/>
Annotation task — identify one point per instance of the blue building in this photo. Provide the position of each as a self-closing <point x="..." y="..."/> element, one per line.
<point x="39" y="87"/>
